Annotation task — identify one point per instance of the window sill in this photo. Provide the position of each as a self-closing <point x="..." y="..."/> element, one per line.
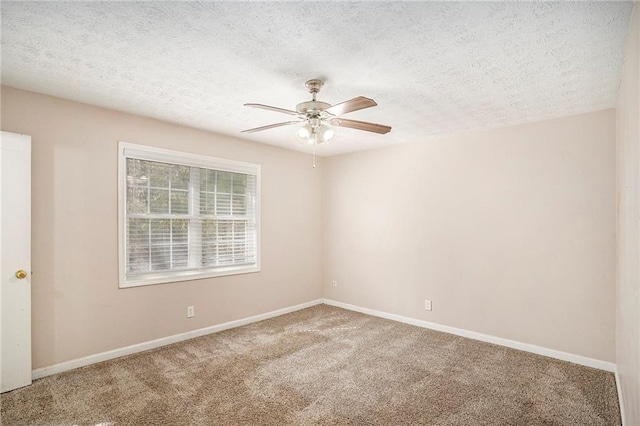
<point x="160" y="278"/>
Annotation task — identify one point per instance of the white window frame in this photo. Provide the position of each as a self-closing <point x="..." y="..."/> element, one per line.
<point x="143" y="152"/>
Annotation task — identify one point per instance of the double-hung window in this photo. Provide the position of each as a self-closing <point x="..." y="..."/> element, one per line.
<point x="185" y="216"/>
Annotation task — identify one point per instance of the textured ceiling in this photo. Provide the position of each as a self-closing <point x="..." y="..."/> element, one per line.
<point x="433" y="68"/>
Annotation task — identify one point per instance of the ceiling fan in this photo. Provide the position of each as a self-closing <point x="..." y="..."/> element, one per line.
<point x="317" y="117"/>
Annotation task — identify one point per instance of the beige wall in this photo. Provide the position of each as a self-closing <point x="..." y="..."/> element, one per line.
<point x="78" y="309"/>
<point x="628" y="190"/>
<point x="510" y="232"/>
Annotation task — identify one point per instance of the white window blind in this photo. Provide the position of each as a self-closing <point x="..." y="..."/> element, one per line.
<point x="186" y="216"/>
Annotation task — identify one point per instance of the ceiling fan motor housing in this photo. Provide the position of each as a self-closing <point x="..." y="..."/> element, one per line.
<point x="312" y="107"/>
<point x="313" y="110"/>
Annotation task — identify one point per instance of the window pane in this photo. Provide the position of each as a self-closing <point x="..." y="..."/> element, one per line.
<point x="159" y="202"/>
<point x="180" y="177"/>
<point x="223" y="183"/>
<point x="239" y="183"/>
<point x="239" y="204"/>
<point x="225" y="242"/>
<point x="180" y="202"/>
<point x="159" y="174"/>
<point x="209" y="249"/>
<point x="239" y="243"/>
<point x="137" y="172"/>
<point x="137" y="245"/>
<point x="137" y="199"/>
<point x="223" y="204"/>
<point x="211" y="180"/>
<point x="180" y="243"/>
<point x="239" y="228"/>
<point x="160" y="239"/>
<point x="209" y="204"/>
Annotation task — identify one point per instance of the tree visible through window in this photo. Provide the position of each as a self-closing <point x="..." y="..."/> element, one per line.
<point x="187" y="221"/>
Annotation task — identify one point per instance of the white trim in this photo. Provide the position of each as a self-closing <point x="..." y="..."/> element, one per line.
<point x="151" y="153"/>
<point x="564" y="356"/>
<point x="122" y="214"/>
<point x="620" y="400"/>
<point x="141" y="347"/>
<point x="175" y="276"/>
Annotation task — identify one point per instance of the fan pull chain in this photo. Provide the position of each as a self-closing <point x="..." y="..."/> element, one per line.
<point x="314" y="155"/>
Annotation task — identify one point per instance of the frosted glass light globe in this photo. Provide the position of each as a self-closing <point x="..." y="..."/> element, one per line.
<point x="304" y="134"/>
<point x="309" y="134"/>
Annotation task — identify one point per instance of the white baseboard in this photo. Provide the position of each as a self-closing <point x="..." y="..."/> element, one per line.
<point x="140" y="347"/>
<point x="620" y="400"/>
<point x="564" y="356"/>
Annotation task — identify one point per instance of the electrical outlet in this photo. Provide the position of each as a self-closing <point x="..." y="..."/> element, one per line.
<point x="191" y="311"/>
<point x="335" y="283"/>
<point x="427" y="305"/>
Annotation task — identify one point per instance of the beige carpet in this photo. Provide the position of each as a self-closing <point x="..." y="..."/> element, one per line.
<point x="322" y="365"/>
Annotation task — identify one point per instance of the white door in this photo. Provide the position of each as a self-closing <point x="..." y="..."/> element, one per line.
<point x="15" y="261"/>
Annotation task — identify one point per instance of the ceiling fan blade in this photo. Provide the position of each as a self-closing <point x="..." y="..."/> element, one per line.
<point x="361" y="125"/>
<point x="351" y="105"/>
<point x="270" y="126"/>
<point x="272" y="108"/>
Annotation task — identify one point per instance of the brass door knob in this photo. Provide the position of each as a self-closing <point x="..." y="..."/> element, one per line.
<point x="21" y="274"/>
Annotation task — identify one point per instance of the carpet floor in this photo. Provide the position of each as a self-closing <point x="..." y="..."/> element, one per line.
<point x="321" y="365"/>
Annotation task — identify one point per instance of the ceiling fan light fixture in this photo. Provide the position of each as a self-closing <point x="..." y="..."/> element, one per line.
<point x="329" y="133"/>
<point x="309" y="134"/>
<point x="304" y="134"/>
